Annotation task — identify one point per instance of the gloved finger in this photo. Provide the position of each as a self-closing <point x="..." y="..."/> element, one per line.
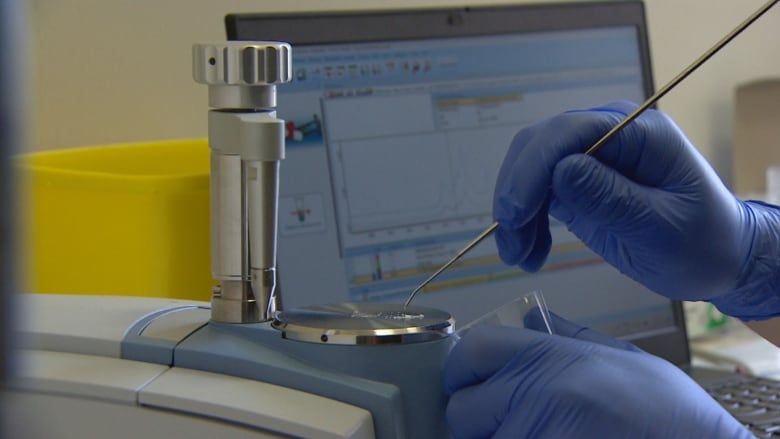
<point x="527" y="247"/>
<point x="482" y="352"/>
<point x="523" y="182"/>
<point x="587" y="191"/>
<point x="474" y="413"/>
<point x="565" y="328"/>
<point x="648" y="150"/>
<point x="609" y="212"/>
<point x="515" y="244"/>
<point x="542" y="245"/>
<point x="522" y="194"/>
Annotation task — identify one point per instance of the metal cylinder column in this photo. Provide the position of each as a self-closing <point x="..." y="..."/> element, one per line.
<point x="247" y="144"/>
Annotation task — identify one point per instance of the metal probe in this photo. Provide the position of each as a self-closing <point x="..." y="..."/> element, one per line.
<point x="611" y="133"/>
<point x="462" y="252"/>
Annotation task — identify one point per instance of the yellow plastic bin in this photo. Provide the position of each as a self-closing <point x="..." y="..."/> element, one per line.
<point x="129" y="219"/>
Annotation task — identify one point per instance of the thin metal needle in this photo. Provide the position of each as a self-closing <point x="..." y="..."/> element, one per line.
<point x="682" y="75"/>
<point x="611" y="133"/>
<point x="462" y="252"/>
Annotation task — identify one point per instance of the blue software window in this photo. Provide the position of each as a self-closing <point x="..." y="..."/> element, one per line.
<point x="393" y="149"/>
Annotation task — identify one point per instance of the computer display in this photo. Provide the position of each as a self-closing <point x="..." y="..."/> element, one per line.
<point x="395" y="134"/>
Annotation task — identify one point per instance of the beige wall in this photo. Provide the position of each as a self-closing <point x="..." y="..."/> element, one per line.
<point x="106" y="71"/>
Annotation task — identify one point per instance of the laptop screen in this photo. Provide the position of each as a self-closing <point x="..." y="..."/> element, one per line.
<point x="397" y="123"/>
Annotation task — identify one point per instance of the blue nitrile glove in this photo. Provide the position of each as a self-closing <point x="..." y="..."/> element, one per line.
<point x="647" y="202"/>
<point x="517" y="383"/>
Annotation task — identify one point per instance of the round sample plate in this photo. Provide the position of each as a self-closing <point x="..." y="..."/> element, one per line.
<point x="364" y="323"/>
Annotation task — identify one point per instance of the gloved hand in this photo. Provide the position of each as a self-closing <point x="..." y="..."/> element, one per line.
<point x="647" y="202"/>
<point x="516" y="383"/>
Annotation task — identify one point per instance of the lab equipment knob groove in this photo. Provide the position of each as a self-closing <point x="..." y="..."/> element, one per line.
<point x="242" y="63"/>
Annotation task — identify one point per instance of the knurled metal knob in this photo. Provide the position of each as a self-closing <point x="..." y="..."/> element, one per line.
<point x="243" y="63"/>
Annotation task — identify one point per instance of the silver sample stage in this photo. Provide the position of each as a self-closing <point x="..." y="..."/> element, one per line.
<point x="364" y="323"/>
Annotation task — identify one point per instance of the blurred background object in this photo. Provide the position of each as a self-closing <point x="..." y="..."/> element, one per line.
<point x="756" y="135"/>
<point x="12" y="115"/>
<point x="132" y="57"/>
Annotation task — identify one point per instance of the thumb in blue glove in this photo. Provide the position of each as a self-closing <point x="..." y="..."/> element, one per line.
<point x="516" y="383"/>
<point x="648" y="203"/>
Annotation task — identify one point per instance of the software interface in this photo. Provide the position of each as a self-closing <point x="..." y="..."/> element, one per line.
<point x="392" y="154"/>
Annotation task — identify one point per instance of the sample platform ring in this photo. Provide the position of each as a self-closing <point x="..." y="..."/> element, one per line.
<point x="364" y="323"/>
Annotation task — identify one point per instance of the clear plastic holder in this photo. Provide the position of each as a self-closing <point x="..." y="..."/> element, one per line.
<point x="513" y="314"/>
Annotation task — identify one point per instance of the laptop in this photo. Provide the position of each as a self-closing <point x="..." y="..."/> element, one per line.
<point x="397" y="122"/>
